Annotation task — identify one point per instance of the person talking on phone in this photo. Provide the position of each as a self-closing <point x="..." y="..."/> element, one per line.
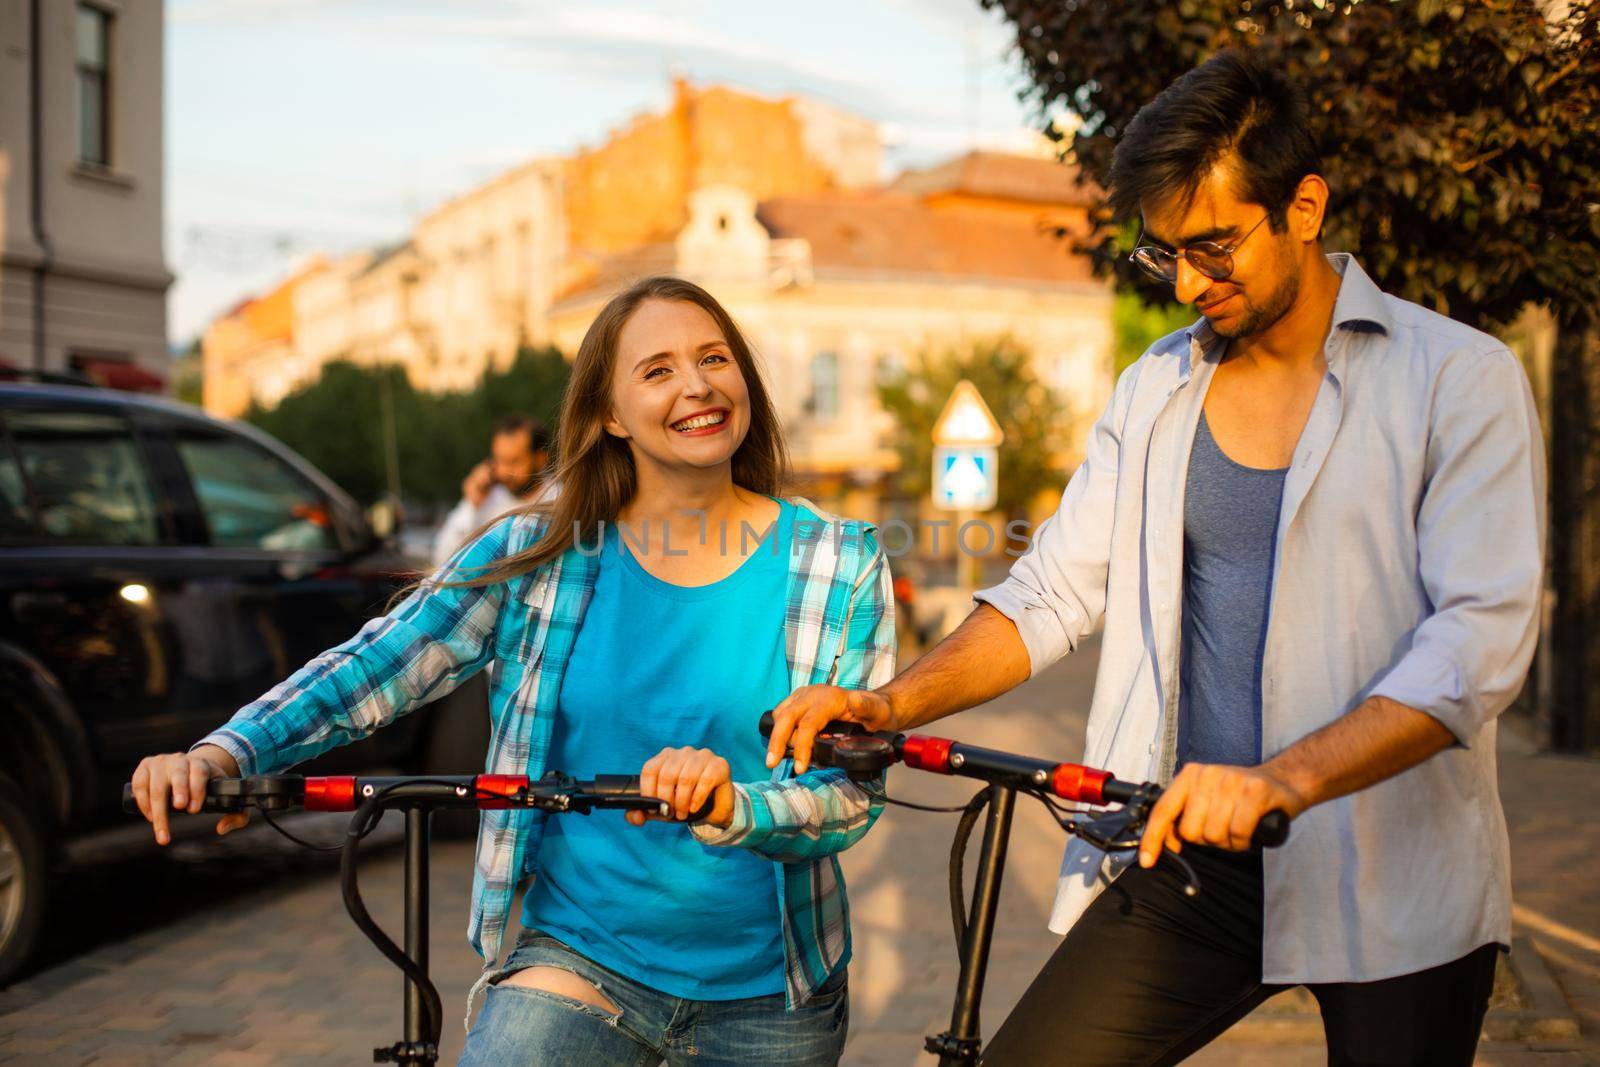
<point x="513" y="475"/>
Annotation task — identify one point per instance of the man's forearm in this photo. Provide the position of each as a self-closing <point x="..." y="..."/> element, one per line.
<point x="982" y="659"/>
<point x="1378" y="740"/>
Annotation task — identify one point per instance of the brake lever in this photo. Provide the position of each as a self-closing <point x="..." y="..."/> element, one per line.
<point x="1106" y="832"/>
<point x="1113" y="832"/>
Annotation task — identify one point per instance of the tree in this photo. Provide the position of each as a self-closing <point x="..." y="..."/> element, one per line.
<point x="186" y="372"/>
<point x="532" y="385"/>
<point x="1003" y="372"/>
<point x="1137" y="323"/>
<point x="1461" y="139"/>
<point x="337" y="422"/>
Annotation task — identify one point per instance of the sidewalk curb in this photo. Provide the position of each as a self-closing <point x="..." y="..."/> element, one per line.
<point x="1549" y="1017"/>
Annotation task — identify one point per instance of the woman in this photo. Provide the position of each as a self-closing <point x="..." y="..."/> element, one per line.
<point x="654" y="609"/>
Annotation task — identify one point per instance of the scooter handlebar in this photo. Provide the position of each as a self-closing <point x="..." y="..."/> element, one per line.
<point x="1271" y="831"/>
<point x="339" y="793"/>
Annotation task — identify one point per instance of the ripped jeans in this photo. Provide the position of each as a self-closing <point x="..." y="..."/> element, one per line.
<point x="521" y="1025"/>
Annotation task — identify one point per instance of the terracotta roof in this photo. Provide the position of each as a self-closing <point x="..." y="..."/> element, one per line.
<point x="1002" y="176"/>
<point x="896" y="233"/>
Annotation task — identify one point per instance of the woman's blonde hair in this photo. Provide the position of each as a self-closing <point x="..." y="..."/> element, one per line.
<point x="595" y="470"/>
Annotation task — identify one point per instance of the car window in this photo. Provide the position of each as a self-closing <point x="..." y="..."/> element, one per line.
<point x="252" y="499"/>
<point x="16" y="517"/>
<point x="88" y="478"/>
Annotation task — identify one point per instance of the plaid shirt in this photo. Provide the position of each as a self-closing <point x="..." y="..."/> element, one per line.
<point x="839" y="628"/>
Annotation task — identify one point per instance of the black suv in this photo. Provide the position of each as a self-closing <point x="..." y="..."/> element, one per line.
<point x="159" y="569"/>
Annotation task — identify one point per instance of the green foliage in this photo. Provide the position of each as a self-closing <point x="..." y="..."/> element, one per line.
<point x="1461" y="138"/>
<point x="1002" y="370"/>
<point x="337" y="422"/>
<point x="532" y="385"/>
<point x="1461" y="141"/>
<point x="185" y="375"/>
<point x="1137" y="324"/>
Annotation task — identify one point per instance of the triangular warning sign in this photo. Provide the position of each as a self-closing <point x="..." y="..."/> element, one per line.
<point x="967" y="420"/>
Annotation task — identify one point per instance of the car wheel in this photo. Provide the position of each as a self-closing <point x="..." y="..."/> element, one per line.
<point x="23" y="880"/>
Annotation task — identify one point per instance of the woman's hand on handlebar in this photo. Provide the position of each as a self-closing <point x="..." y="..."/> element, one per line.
<point x="684" y="778"/>
<point x="176" y="781"/>
<point x="804" y="712"/>
<point x="1217" y="805"/>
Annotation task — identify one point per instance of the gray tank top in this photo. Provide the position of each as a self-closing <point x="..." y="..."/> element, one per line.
<point x="1230" y="524"/>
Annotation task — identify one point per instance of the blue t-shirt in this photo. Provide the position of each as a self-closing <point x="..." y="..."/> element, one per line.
<point x="1230" y="526"/>
<point x="658" y="665"/>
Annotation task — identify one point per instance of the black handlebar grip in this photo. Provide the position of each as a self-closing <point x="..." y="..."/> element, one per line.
<point x="1272" y="830"/>
<point x="703" y="812"/>
<point x="615" y="784"/>
<point x="610" y="785"/>
<point x="131" y="806"/>
<point x="222" y="794"/>
<point x="836" y="726"/>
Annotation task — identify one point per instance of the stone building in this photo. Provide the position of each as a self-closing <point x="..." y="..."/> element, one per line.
<point x="478" y="275"/>
<point x="83" y="275"/>
<point x="776" y="206"/>
<point x="838" y="289"/>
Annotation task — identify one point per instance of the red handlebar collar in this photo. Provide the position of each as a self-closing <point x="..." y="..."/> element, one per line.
<point x="504" y="786"/>
<point x="331" y="794"/>
<point x="927" y="753"/>
<point x="1075" y="782"/>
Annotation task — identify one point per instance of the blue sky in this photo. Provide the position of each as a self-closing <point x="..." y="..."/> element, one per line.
<point x="296" y="125"/>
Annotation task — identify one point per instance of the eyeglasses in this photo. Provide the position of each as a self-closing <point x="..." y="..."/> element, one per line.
<point x="1209" y="258"/>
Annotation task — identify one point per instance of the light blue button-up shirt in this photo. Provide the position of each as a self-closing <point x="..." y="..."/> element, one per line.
<point x="1408" y="565"/>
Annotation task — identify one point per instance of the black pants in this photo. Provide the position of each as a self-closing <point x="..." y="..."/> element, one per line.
<point x="1149" y="976"/>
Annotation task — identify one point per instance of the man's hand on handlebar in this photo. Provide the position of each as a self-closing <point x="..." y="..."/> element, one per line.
<point x="804" y="712"/>
<point x="1212" y="804"/>
<point x="684" y="778"/>
<point x="176" y="781"/>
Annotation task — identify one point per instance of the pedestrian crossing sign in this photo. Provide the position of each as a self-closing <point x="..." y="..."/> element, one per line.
<point x="966" y="478"/>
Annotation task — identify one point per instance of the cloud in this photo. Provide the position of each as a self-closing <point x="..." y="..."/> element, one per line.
<point x="635" y="43"/>
<point x="235" y="12"/>
<point x="955" y="18"/>
<point x="257" y="12"/>
<point x="629" y="43"/>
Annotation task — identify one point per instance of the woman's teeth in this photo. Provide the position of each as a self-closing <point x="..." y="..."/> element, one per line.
<point x="699" y="422"/>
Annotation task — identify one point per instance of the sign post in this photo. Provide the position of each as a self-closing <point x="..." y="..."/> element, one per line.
<point x="966" y="468"/>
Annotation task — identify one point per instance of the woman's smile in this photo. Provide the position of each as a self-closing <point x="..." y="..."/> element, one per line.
<point x="703" y="423"/>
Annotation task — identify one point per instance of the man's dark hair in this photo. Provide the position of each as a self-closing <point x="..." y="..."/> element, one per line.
<point x="538" y="436"/>
<point x="1229" y="105"/>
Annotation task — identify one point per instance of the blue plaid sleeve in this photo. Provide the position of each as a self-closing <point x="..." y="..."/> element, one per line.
<point x="431" y="642"/>
<point x="822" y="812"/>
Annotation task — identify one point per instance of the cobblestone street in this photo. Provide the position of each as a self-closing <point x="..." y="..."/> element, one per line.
<point x="239" y="951"/>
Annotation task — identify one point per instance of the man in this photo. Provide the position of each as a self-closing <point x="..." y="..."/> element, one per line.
<point x="1312" y="524"/>
<point x="519" y="452"/>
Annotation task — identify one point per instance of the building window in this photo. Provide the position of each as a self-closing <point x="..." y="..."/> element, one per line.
<point x="825" y="386"/>
<point x="94" y="86"/>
